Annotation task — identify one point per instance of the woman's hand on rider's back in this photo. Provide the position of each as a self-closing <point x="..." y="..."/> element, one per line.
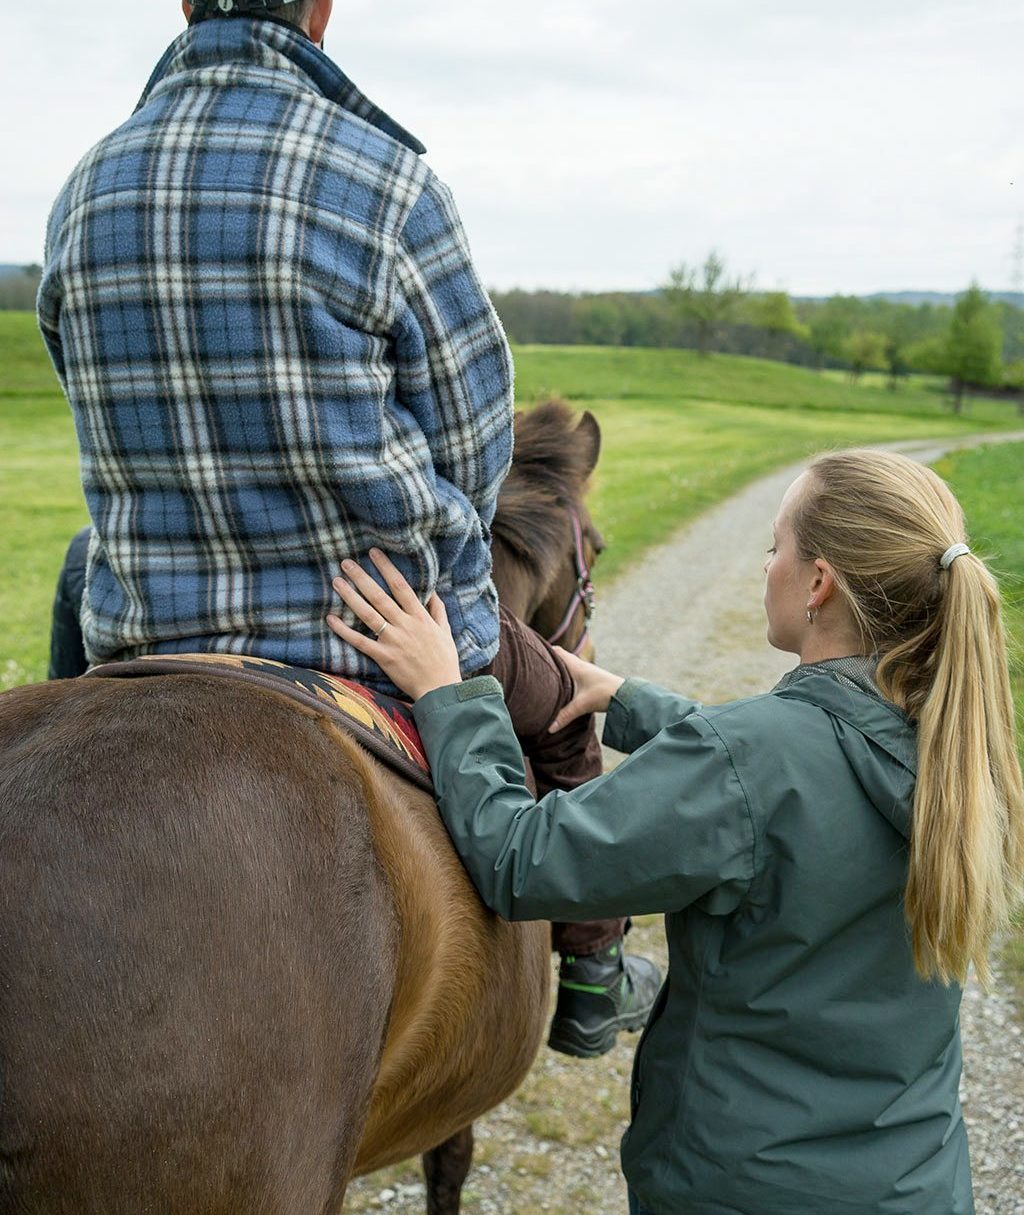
<point x="414" y="647"/>
<point x="413" y="644"/>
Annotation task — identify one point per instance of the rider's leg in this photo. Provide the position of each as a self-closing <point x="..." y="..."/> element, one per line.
<point x="581" y="940"/>
<point x="601" y="990"/>
<point x="536" y="684"/>
<point x="67" y="650"/>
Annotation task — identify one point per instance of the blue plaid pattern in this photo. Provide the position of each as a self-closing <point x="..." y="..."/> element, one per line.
<point x="262" y="307"/>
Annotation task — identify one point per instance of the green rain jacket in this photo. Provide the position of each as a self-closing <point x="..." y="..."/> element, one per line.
<point x="794" y="1063"/>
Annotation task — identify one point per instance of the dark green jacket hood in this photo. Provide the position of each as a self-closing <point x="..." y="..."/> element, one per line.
<point x="877" y="739"/>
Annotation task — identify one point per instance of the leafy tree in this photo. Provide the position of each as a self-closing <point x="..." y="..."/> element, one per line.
<point x="705" y="295"/>
<point x="599" y="321"/>
<point x="1012" y="320"/>
<point x="973" y="344"/>
<point x="774" y="311"/>
<point x="831" y="324"/>
<point x="647" y="320"/>
<point x="896" y="359"/>
<point x="927" y="356"/>
<point x="1013" y="376"/>
<point x="865" y="350"/>
<point x="1013" y="382"/>
<point x="902" y="328"/>
<point x="537" y="316"/>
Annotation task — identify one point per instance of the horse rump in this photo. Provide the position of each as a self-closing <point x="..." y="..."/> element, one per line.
<point x="196" y="951"/>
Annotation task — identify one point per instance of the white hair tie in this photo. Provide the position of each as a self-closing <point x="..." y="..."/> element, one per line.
<point x="951" y="554"/>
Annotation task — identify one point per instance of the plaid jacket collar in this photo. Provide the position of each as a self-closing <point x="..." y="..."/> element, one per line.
<point x="240" y="41"/>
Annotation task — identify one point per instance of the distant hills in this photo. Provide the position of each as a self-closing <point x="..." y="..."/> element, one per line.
<point x="939" y="299"/>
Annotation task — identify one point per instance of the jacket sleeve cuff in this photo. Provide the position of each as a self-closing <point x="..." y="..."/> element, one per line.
<point x="441" y="699"/>
<point x="639" y="710"/>
<point x="617" y="722"/>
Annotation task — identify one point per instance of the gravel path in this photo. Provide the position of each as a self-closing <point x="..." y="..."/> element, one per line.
<point x="690" y="616"/>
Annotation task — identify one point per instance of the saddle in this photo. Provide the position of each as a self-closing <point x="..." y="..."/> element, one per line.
<point x="384" y="725"/>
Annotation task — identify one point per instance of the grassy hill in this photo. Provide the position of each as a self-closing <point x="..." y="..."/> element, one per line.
<point x="680" y="433"/>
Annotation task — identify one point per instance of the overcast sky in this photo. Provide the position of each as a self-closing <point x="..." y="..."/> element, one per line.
<point x="591" y="144"/>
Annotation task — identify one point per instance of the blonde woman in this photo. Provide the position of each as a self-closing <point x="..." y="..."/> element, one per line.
<point x="832" y="857"/>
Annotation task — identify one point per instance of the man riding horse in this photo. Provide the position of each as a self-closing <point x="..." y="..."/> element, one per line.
<point x="261" y="305"/>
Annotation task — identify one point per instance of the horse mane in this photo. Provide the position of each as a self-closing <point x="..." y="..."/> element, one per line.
<point x="550" y="471"/>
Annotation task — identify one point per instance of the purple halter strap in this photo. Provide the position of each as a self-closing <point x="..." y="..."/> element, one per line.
<point x="583" y="594"/>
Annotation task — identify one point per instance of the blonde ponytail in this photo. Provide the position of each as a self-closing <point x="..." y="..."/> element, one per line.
<point x="883" y="522"/>
<point x="967" y="844"/>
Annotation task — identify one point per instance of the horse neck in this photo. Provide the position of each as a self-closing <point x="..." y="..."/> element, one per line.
<point x="516" y="583"/>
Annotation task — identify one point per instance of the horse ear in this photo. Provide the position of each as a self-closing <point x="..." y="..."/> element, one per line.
<point x="588" y="434"/>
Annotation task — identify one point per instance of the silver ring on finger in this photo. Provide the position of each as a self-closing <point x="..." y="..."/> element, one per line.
<point x="380" y="631"/>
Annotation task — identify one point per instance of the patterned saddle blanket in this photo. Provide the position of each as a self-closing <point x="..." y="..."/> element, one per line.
<point x="383" y="724"/>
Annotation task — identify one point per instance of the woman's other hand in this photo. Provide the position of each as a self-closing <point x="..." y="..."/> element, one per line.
<point x="594" y="686"/>
<point x="413" y="644"/>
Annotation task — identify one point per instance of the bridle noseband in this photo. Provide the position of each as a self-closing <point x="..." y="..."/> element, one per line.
<point x="583" y="594"/>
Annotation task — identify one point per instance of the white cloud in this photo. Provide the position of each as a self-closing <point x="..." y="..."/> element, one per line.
<point x="593" y="144"/>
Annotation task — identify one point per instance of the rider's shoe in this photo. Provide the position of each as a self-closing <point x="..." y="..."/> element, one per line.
<point x="597" y="996"/>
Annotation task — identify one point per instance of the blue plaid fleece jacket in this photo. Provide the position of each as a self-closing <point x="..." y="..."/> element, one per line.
<point x="262" y="308"/>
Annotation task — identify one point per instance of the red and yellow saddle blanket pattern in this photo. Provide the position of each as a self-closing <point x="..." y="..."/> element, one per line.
<point x="383" y="724"/>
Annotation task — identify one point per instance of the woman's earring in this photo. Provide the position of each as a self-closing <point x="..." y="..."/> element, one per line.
<point x="811" y="615"/>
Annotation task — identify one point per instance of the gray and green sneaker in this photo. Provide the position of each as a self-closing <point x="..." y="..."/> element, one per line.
<point x="599" y="995"/>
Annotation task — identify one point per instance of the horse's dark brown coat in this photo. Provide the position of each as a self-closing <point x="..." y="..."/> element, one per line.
<point x="239" y="962"/>
<point x="187" y="892"/>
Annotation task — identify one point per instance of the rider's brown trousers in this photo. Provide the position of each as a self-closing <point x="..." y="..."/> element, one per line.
<point x="537" y="684"/>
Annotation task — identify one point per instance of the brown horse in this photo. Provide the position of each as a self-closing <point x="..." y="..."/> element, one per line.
<point x="240" y="962"/>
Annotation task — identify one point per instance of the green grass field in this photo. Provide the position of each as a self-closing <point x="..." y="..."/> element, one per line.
<point x="40" y="500"/>
<point x="680" y="433"/>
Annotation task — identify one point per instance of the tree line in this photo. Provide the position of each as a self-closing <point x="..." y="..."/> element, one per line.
<point x="978" y="343"/>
